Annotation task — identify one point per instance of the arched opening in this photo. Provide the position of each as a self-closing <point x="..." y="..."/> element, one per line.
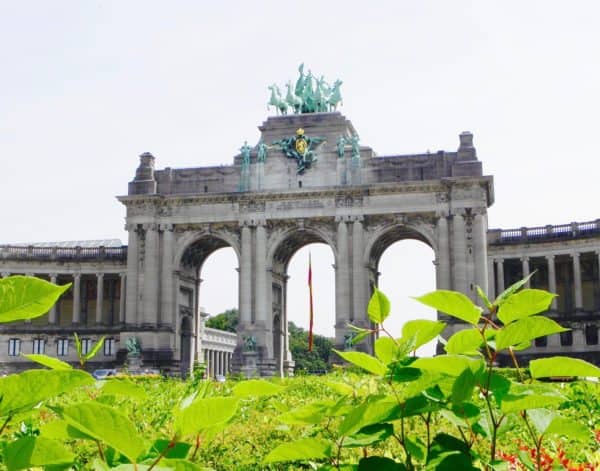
<point x="207" y="284"/>
<point x="290" y="295"/>
<point x="402" y="261"/>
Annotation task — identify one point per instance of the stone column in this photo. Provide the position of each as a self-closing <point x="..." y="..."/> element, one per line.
<point x="76" y="297"/>
<point x="480" y="249"/>
<point x="129" y="316"/>
<point x="443" y="278"/>
<point x="246" y="277"/>
<point x="261" y="275"/>
<point x="52" y="313"/>
<point x="551" y="277"/>
<point x="460" y="253"/>
<point x="150" y="291"/>
<point x="99" y="296"/>
<point x="358" y="272"/>
<point x="342" y="275"/>
<point x="525" y="270"/>
<point x="577" y="281"/>
<point x="500" y="274"/>
<point x="491" y="291"/>
<point x="122" y="290"/>
<point x="167" y="300"/>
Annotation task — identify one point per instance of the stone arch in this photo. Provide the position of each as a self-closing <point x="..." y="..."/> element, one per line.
<point x="390" y="233"/>
<point x="190" y="238"/>
<point x="298" y="237"/>
<point x="191" y="251"/>
<point x="282" y="247"/>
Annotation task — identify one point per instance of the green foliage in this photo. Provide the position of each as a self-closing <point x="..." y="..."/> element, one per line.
<point x="316" y="361"/>
<point x="453" y="411"/>
<point x="227" y="320"/>
<point x="50" y="362"/>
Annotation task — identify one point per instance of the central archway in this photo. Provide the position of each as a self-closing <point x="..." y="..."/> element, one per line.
<point x="288" y="244"/>
<point x="191" y="256"/>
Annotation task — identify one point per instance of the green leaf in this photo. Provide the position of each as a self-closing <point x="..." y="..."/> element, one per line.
<point x="106" y="425"/>
<point x="27" y="389"/>
<point x="483" y="297"/>
<point x="424" y="330"/>
<point x="50" y="362"/>
<point x="368" y="436"/>
<point x="452" y="365"/>
<point x="256" y="387"/>
<point x="379" y="307"/>
<point x="562" y="366"/>
<point x="379" y="463"/>
<point x="25" y="297"/>
<point x="205" y="413"/>
<point x="386" y="349"/>
<point x="369" y="413"/>
<point x="177" y="451"/>
<point x="300" y="450"/>
<point x="466" y="342"/>
<point x="416" y="448"/>
<point x="452" y="303"/>
<point x="516" y="403"/>
<point x="366" y="362"/>
<point x="508" y="292"/>
<point x="541" y="419"/>
<point x="527" y="329"/>
<point x="403" y="374"/>
<point x="463" y="387"/>
<point x="568" y="428"/>
<point x="123" y="387"/>
<point x="30" y="452"/>
<point x="525" y="303"/>
<point x="60" y="430"/>
<point x="92" y="353"/>
<point x="313" y="413"/>
<point x="77" y="345"/>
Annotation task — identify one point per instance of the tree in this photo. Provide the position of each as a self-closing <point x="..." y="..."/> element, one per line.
<point x="227" y="321"/>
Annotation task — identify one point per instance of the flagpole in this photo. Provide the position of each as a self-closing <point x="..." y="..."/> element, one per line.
<point x="310" y="291"/>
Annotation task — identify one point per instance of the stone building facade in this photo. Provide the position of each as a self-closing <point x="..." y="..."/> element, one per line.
<point x="349" y="198"/>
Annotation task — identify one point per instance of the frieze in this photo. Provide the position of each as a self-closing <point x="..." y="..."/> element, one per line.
<point x="252" y="206"/>
<point x="299" y="204"/>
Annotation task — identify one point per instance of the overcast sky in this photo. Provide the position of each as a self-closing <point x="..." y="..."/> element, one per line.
<point x="86" y="86"/>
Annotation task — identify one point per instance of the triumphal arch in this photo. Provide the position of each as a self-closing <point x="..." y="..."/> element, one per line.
<point x="308" y="179"/>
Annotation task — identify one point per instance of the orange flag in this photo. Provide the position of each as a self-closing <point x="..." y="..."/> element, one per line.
<point x="310" y="327"/>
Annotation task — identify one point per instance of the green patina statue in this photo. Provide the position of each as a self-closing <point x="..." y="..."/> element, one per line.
<point x="355" y="147"/>
<point x="341" y="147"/>
<point x="262" y="151"/>
<point x="245" y="150"/>
<point x="300" y="148"/>
<point x="134" y="349"/>
<point x="309" y="95"/>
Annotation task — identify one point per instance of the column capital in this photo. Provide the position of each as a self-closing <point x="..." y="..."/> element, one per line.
<point x="499" y="260"/>
<point x="458" y="212"/>
<point x="441" y="214"/>
<point x="76" y="276"/>
<point x="525" y="258"/>
<point x="122" y="274"/>
<point x="575" y="255"/>
<point x="150" y="226"/>
<point x="99" y="275"/>
<point x="131" y="227"/>
<point x="342" y="218"/>
<point x="166" y="227"/>
<point x="358" y="218"/>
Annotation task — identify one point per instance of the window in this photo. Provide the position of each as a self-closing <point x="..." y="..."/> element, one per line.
<point x="541" y="341"/>
<point x="566" y="338"/>
<point x="39" y="346"/>
<point x="591" y="334"/>
<point x="86" y="346"/>
<point x="109" y="347"/>
<point x="14" y="347"/>
<point x="62" y="347"/>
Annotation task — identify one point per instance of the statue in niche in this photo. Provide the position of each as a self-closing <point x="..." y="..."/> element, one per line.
<point x="262" y="152"/>
<point x="134" y="349"/>
<point x="249" y="343"/>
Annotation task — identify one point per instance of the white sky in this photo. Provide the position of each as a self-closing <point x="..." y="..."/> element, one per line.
<point x="86" y="86"/>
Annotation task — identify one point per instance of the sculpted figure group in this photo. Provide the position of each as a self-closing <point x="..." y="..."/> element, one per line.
<point x="310" y="95"/>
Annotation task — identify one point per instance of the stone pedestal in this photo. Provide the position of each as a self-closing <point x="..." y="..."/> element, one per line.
<point x="249" y="368"/>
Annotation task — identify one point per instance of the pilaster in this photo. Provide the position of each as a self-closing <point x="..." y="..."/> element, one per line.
<point x="150" y="290"/>
<point x="480" y="249"/>
<point x="459" y="253"/>
<point x="245" y="276"/>
<point x="168" y="314"/>
<point x="358" y="272"/>
<point x="443" y="276"/>
<point x="342" y="275"/>
<point x="130" y="315"/>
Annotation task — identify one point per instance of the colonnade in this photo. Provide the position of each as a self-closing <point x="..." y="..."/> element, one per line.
<point x="218" y="362"/>
<point x="76" y="289"/>
<point x="497" y="280"/>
